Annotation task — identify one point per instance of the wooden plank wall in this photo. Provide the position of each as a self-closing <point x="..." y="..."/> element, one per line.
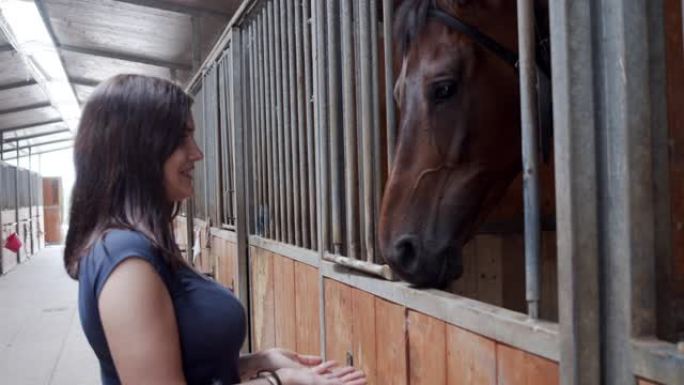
<point x="285" y="303"/>
<point x="401" y="346"/>
<point x="52" y="210"/>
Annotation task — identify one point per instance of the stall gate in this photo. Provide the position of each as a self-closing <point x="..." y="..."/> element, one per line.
<point x="295" y="115"/>
<point x="21" y="212"/>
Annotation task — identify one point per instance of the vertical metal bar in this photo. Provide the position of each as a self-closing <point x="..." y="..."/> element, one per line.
<point x="268" y="132"/>
<point x="309" y="85"/>
<point x="576" y="191"/>
<point x="333" y="46"/>
<point x="365" y="73"/>
<point x="387" y="19"/>
<point x="263" y="197"/>
<point x="322" y="107"/>
<point x="318" y="59"/>
<point x="30" y="199"/>
<point x="350" y="140"/>
<point x="530" y="138"/>
<point x="277" y="140"/>
<point x="240" y="145"/>
<point x="301" y="127"/>
<point x="294" y="129"/>
<point x="377" y="145"/>
<point x="286" y="146"/>
<point x="255" y="126"/>
<point x="627" y="173"/>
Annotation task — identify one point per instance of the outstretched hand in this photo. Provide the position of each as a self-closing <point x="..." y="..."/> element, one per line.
<point x="327" y="373"/>
<point x="277" y="358"/>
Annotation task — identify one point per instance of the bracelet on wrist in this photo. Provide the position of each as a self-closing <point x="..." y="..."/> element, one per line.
<point x="270" y="376"/>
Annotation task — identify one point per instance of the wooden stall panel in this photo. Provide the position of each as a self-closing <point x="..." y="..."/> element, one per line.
<point x="364" y="334"/>
<point x="52" y="209"/>
<point x="263" y="299"/>
<point x="427" y="350"/>
<point x="225" y="255"/>
<point x="338" y="320"/>
<point x="391" y="354"/>
<point x="307" y="303"/>
<point x="516" y="367"/>
<point x="285" y="305"/>
<point x="471" y="359"/>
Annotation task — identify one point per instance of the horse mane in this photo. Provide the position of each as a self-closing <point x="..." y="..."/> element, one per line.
<point x="409" y="20"/>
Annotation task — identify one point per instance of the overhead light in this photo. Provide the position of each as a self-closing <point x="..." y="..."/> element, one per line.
<point x="25" y="29"/>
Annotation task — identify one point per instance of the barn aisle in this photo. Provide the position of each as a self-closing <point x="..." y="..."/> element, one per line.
<point x="41" y="340"/>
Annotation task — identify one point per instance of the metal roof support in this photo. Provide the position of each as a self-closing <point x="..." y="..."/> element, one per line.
<point x="32" y="125"/>
<point x="125" y="57"/>
<point x="43" y="152"/>
<point x="29" y="107"/>
<point x="186" y="9"/>
<point x="84" y="82"/>
<point x="20" y="138"/>
<point x="11" y="86"/>
<point x="6" y="48"/>
<point x="34" y="145"/>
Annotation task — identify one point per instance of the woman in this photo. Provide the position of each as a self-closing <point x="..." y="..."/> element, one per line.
<point x="149" y="317"/>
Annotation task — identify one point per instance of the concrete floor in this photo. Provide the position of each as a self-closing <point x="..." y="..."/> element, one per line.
<point x="41" y="340"/>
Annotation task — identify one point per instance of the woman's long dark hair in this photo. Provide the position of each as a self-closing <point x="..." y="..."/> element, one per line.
<point x="130" y="126"/>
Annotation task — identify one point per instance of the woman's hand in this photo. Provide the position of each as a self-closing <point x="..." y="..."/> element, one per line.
<point x="277" y="358"/>
<point x="326" y="373"/>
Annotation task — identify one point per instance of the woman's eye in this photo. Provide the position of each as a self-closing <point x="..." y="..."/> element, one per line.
<point x="443" y="91"/>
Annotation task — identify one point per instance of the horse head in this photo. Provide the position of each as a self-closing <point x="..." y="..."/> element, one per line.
<point x="458" y="145"/>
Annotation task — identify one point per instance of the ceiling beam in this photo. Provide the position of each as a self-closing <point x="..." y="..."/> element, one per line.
<point x="84" y="82"/>
<point x="23" y="83"/>
<point x="29" y="107"/>
<point x="38" y="145"/>
<point x="125" y="56"/>
<point x="27" y="137"/>
<point x="41" y="152"/>
<point x="32" y="125"/>
<point x="6" y="48"/>
<point x="174" y="7"/>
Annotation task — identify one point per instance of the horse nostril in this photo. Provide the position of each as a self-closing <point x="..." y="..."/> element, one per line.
<point x="406" y="254"/>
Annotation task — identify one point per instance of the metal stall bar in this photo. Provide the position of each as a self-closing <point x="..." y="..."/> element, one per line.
<point x="280" y="137"/>
<point x="530" y="138"/>
<point x="294" y="129"/>
<point x="309" y="85"/>
<point x="366" y="95"/>
<point x="241" y="139"/>
<point x="377" y="145"/>
<point x="262" y="174"/>
<point x="287" y="138"/>
<point x="322" y="108"/>
<point x="350" y="139"/>
<point x="270" y="118"/>
<point x="626" y="172"/>
<point x="30" y="200"/>
<point x="254" y="110"/>
<point x="576" y="191"/>
<point x="275" y="84"/>
<point x="387" y="17"/>
<point x="334" y="118"/>
<point x="301" y="127"/>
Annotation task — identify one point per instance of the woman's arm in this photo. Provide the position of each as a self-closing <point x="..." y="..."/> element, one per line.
<point x="140" y="326"/>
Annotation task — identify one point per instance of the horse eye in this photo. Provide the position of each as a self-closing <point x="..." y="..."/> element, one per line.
<point x="443" y="91"/>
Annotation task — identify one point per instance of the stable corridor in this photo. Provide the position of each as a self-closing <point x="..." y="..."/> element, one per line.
<point x="41" y="340"/>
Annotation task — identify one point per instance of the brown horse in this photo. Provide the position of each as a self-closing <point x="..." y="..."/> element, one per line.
<point x="458" y="145"/>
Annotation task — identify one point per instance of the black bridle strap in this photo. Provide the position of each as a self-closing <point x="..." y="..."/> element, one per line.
<point x="502" y="52"/>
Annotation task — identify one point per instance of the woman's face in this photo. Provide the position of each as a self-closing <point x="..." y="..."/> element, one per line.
<point x="180" y="165"/>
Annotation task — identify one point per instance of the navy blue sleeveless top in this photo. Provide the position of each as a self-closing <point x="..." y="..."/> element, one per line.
<point x="211" y="320"/>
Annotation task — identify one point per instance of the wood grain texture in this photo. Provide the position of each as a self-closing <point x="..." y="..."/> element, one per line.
<point x="338" y="320"/>
<point x="427" y="350"/>
<point x="471" y="359"/>
<point x="641" y="381"/>
<point x="364" y="334"/>
<point x="516" y="367"/>
<point x="263" y="299"/>
<point x="285" y="308"/>
<point x="307" y="303"/>
<point x="391" y="354"/>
